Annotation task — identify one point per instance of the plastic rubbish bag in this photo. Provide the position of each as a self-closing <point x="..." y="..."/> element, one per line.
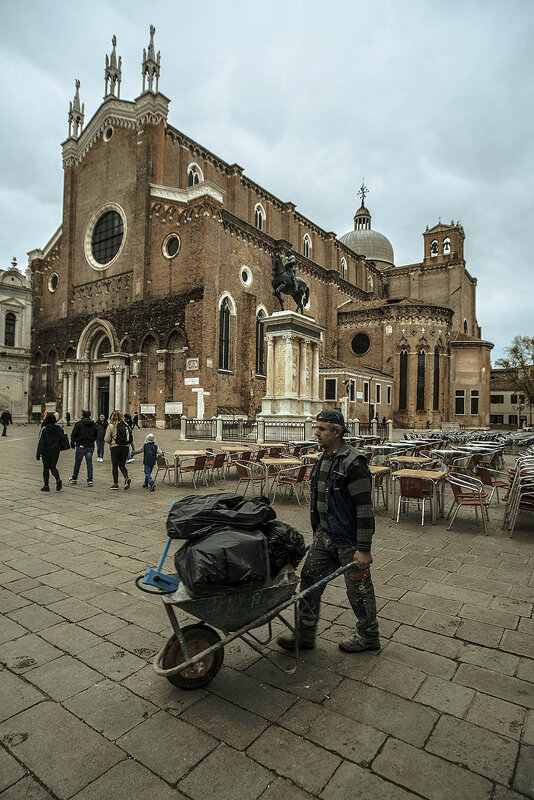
<point x="286" y="545"/>
<point x="223" y="561"/>
<point x="189" y="516"/>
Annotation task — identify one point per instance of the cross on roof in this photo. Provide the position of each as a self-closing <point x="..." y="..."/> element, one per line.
<point x="363" y="191"/>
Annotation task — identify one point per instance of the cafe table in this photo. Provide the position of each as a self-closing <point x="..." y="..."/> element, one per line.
<point x="409" y="461"/>
<point x="233" y="448"/>
<point x="178" y="454"/>
<point x="277" y="464"/>
<point x="437" y="479"/>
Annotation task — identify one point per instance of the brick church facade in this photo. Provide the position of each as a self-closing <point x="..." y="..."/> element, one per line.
<point x="153" y="289"/>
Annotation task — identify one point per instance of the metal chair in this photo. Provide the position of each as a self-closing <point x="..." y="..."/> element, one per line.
<point x="486" y="476"/>
<point x="216" y="462"/>
<point x="292" y="478"/>
<point x="251" y="474"/>
<point x="420" y="489"/>
<point x="163" y="463"/>
<point x="198" y="467"/>
<point x="468" y="492"/>
<point x="244" y="455"/>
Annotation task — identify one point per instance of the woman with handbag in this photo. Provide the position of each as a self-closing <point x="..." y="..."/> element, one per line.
<point x="52" y="441"/>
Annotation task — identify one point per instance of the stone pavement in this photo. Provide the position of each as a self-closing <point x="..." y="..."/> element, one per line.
<point x="446" y="710"/>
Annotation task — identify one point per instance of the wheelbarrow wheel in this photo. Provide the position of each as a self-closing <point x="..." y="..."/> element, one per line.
<point x="198" y="638"/>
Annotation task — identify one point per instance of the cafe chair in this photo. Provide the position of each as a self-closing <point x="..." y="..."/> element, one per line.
<point x="163" y="463"/>
<point x="468" y="493"/>
<point x="215" y="462"/>
<point x="197" y="469"/>
<point x="420" y="489"/>
<point x="489" y="479"/>
<point x="250" y="474"/>
<point x="292" y="478"/>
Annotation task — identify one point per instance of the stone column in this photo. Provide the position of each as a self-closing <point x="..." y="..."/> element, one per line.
<point x="303" y="352"/>
<point x="218" y="429"/>
<point x="270" y="366"/>
<point x="289" y="366"/>
<point x="315" y="371"/>
<point x="70" y="393"/>
<point x="112" y="390"/>
<point x="125" y="385"/>
<point x="65" y="392"/>
<point x="85" y="392"/>
<point x="389" y="424"/>
<point x="118" y="389"/>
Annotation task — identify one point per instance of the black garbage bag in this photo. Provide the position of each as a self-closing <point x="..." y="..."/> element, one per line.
<point x="223" y="561"/>
<point x="189" y="515"/>
<point x="286" y="545"/>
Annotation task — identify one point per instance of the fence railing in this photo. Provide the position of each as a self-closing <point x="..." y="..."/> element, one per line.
<point x="239" y="430"/>
<point x="284" y="431"/>
<point x="200" y="429"/>
<point x="382" y="430"/>
<point x="365" y="428"/>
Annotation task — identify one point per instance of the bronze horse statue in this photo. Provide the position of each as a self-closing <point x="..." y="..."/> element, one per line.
<point x="284" y="281"/>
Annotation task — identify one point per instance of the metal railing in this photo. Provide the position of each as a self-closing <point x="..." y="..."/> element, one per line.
<point x="382" y="430"/>
<point x="365" y="428"/>
<point x="284" y="431"/>
<point x="200" y="429"/>
<point x="239" y="430"/>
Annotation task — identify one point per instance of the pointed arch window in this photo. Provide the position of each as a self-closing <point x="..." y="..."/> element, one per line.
<point x="435" y="403"/>
<point x="260" y="344"/>
<point x="9" y="330"/>
<point x="403" y="379"/>
<point x="224" y="335"/>
<point x="421" y="368"/>
<point x="306" y="245"/>
<point x="194" y="175"/>
<point x="259" y="217"/>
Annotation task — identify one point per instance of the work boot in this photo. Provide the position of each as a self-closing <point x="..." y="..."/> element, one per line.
<point x="358" y="645"/>
<point x="289" y="642"/>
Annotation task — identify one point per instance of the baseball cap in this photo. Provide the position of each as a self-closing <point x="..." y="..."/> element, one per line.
<point x="333" y="417"/>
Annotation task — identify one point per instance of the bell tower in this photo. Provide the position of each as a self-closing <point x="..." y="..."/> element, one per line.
<point x="444" y="243"/>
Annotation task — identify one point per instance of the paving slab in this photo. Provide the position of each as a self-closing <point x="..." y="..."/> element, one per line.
<point x="446" y="697"/>
<point x="524" y="774"/>
<point x="64" y="762"/>
<point x="233" y="725"/>
<point x="10" y="770"/>
<point x="309" y="766"/>
<point x="168" y="746"/>
<point x="229" y="774"/>
<point x="514" y="690"/>
<point x="496" y="715"/>
<point x="27" y="789"/>
<point x="428" y="775"/>
<point x="349" y="778"/>
<point x="112" y="661"/>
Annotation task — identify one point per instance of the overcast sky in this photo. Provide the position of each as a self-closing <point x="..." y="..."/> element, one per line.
<point x="430" y="101"/>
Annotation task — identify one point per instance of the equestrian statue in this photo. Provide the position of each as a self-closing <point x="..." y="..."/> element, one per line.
<point x="285" y="281"/>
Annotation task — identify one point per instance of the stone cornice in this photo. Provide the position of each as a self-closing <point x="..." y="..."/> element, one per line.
<point x="402" y="314"/>
<point x="185" y="196"/>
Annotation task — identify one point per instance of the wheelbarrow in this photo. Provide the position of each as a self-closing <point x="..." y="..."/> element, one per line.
<point x="194" y="654"/>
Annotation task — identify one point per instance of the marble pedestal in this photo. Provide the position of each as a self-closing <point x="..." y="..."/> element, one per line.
<point x="293" y="343"/>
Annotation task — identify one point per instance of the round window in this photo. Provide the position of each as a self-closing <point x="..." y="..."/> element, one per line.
<point x="108" y="133"/>
<point x="360" y="344"/>
<point x="107" y="237"/>
<point x="171" y="245"/>
<point x="53" y="282"/>
<point x="245" y="276"/>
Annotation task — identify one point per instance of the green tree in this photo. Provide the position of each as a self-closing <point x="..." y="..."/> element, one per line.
<point x="518" y="364"/>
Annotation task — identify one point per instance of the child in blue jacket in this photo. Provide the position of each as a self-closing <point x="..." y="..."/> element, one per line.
<point x="151" y="453"/>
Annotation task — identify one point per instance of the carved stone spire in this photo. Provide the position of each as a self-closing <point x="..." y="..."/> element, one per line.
<point x="151" y="68"/>
<point x="112" y="72"/>
<point x="76" y="114"/>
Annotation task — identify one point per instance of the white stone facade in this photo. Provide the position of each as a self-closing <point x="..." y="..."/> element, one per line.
<point x="15" y="341"/>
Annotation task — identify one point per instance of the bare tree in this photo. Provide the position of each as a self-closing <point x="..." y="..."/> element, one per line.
<point x="518" y="364"/>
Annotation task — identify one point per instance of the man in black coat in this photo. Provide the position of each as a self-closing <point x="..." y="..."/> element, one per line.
<point x="5" y="420"/>
<point x="83" y="439"/>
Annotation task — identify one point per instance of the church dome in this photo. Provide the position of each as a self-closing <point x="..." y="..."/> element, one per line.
<point x="371" y="244"/>
<point x="364" y="241"/>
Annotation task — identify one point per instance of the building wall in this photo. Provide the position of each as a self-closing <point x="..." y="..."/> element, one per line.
<point x="15" y="299"/>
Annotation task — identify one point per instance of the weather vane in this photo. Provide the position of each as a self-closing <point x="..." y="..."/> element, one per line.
<point x="363" y="191"/>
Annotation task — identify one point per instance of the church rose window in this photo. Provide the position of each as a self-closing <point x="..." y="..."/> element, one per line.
<point x="107" y="237"/>
<point x="360" y="344"/>
<point x="53" y="282"/>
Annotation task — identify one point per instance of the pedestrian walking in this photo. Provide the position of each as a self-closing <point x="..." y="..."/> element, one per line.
<point x="101" y="428"/>
<point x="343" y="524"/>
<point x="48" y="450"/>
<point x="83" y="438"/>
<point x="5" y="420"/>
<point x="151" y="453"/>
<point x="128" y="420"/>
<point x="119" y="436"/>
<point x="67" y="419"/>
<point x="136" y="421"/>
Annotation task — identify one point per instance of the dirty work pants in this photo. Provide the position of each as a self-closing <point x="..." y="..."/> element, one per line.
<point x="322" y="560"/>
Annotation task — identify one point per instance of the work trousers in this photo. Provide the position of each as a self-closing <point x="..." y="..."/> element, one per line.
<point x="49" y="465"/>
<point x="119" y="454"/>
<point x="323" y="559"/>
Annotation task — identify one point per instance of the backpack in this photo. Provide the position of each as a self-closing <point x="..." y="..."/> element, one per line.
<point x="124" y="434"/>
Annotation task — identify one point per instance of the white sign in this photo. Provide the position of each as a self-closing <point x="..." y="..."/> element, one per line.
<point x="174" y="408"/>
<point x="191" y="381"/>
<point x="192" y="364"/>
<point x="359" y="395"/>
<point x="148" y="408"/>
